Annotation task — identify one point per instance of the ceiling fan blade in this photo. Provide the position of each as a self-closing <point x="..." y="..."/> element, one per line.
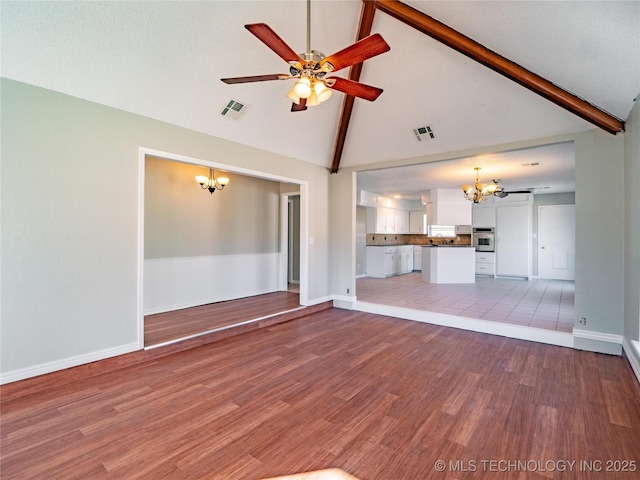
<point x="299" y="107"/>
<point x="358" y="52"/>
<point x="257" y="78"/>
<point x="355" y="89"/>
<point x="271" y="39"/>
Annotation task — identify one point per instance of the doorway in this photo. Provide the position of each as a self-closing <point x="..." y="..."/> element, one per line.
<point x="173" y="290"/>
<point x="293" y="243"/>
<point x="556" y="242"/>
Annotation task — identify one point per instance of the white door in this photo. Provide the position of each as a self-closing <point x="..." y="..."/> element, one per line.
<point x="557" y="242"/>
<point x="513" y="240"/>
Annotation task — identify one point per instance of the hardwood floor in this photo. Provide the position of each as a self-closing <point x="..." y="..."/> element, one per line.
<point x="166" y="327"/>
<point x="378" y="397"/>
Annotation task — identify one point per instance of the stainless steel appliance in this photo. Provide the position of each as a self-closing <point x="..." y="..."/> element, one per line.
<point x="484" y="239"/>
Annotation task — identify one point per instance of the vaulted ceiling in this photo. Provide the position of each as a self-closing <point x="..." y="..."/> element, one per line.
<point x="165" y="59"/>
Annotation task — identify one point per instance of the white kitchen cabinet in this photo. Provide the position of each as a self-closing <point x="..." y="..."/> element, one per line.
<point x="418" y="221"/>
<point x="485" y="263"/>
<point x="380" y="220"/>
<point x="449" y="213"/>
<point x="384" y="262"/>
<point x="387" y="220"/>
<point x="417" y="258"/>
<point x="448" y="265"/>
<point x="401" y="221"/>
<point x="513" y="240"/>
<point x="406" y="259"/>
<point x="484" y="216"/>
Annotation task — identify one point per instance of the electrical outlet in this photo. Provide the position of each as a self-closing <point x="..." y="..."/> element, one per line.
<point x="583" y="320"/>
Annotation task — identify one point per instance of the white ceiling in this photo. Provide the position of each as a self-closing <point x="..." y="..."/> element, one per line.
<point x="165" y="59"/>
<point x="554" y="173"/>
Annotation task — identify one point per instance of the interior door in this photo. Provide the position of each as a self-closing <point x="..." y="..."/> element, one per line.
<point x="556" y="242"/>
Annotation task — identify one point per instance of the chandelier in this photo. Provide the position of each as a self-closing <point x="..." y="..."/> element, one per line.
<point x="211" y="183"/>
<point x="480" y="191"/>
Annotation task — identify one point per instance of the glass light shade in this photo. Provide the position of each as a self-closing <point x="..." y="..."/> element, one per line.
<point x="491" y="188"/>
<point x="468" y="189"/>
<point x="322" y="92"/>
<point x="293" y="96"/>
<point x="302" y="87"/>
<point x="201" y="179"/>
<point x="312" y="101"/>
<point x="222" y="181"/>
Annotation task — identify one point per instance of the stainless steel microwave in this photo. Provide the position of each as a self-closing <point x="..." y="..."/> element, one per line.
<point x="484" y="239"/>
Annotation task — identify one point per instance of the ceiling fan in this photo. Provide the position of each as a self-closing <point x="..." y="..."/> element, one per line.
<point x="310" y="68"/>
<point x="500" y="192"/>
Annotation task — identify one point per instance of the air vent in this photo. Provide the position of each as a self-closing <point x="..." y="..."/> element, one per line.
<point x="234" y="109"/>
<point x="424" y="133"/>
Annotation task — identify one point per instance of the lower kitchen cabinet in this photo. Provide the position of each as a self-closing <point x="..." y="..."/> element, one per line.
<point x="485" y="263"/>
<point x="387" y="261"/>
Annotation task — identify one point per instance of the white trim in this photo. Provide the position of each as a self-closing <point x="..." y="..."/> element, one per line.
<point x="344" y="302"/>
<point x="140" y="272"/>
<point x="541" y="335"/>
<point x="69" y="362"/>
<point x="632" y="350"/>
<point x="598" y="336"/>
<point x="317" y="301"/>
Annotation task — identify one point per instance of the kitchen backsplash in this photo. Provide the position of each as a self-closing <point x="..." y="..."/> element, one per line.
<point x="377" y="239"/>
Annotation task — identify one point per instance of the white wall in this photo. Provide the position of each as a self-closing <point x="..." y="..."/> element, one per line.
<point x="69" y="232"/>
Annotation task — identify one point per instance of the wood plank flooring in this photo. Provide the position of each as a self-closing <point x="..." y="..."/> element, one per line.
<point x="165" y="327"/>
<point x="378" y="397"/>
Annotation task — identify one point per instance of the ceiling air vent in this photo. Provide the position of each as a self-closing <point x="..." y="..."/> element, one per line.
<point x="234" y="109"/>
<point x="424" y="133"/>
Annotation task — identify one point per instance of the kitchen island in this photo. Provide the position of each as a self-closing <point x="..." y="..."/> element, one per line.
<point x="448" y="264"/>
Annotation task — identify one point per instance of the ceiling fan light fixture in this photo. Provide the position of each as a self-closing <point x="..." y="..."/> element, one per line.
<point x="293" y="95"/>
<point x="312" y="101"/>
<point x="322" y="92"/>
<point x="302" y="88"/>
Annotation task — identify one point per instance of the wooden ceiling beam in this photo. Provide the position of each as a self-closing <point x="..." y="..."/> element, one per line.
<point x="364" y="30"/>
<point x="472" y="49"/>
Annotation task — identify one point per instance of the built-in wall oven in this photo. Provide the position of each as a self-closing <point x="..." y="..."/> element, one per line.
<point x="484" y="239"/>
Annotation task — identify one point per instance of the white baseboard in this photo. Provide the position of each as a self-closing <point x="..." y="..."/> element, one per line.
<point x="600" y="342"/>
<point x="541" y="335"/>
<point x="70" y="362"/>
<point x="344" y="301"/>
<point x="316" y="301"/>
<point x="632" y="350"/>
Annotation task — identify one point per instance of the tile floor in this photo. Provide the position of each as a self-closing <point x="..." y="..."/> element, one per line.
<point x="545" y="304"/>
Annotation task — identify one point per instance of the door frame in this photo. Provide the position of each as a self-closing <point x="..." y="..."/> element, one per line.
<point x="284" y="243"/>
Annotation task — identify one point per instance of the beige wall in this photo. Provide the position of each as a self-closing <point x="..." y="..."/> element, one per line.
<point x="182" y="220"/>
<point x="70" y="186"/>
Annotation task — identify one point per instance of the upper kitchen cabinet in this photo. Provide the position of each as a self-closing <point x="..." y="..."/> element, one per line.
<point x="418" y="222"/>
<point x="484" y="214"/>
<point x="447" y="207"/>
<point x="384" y="214"/>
